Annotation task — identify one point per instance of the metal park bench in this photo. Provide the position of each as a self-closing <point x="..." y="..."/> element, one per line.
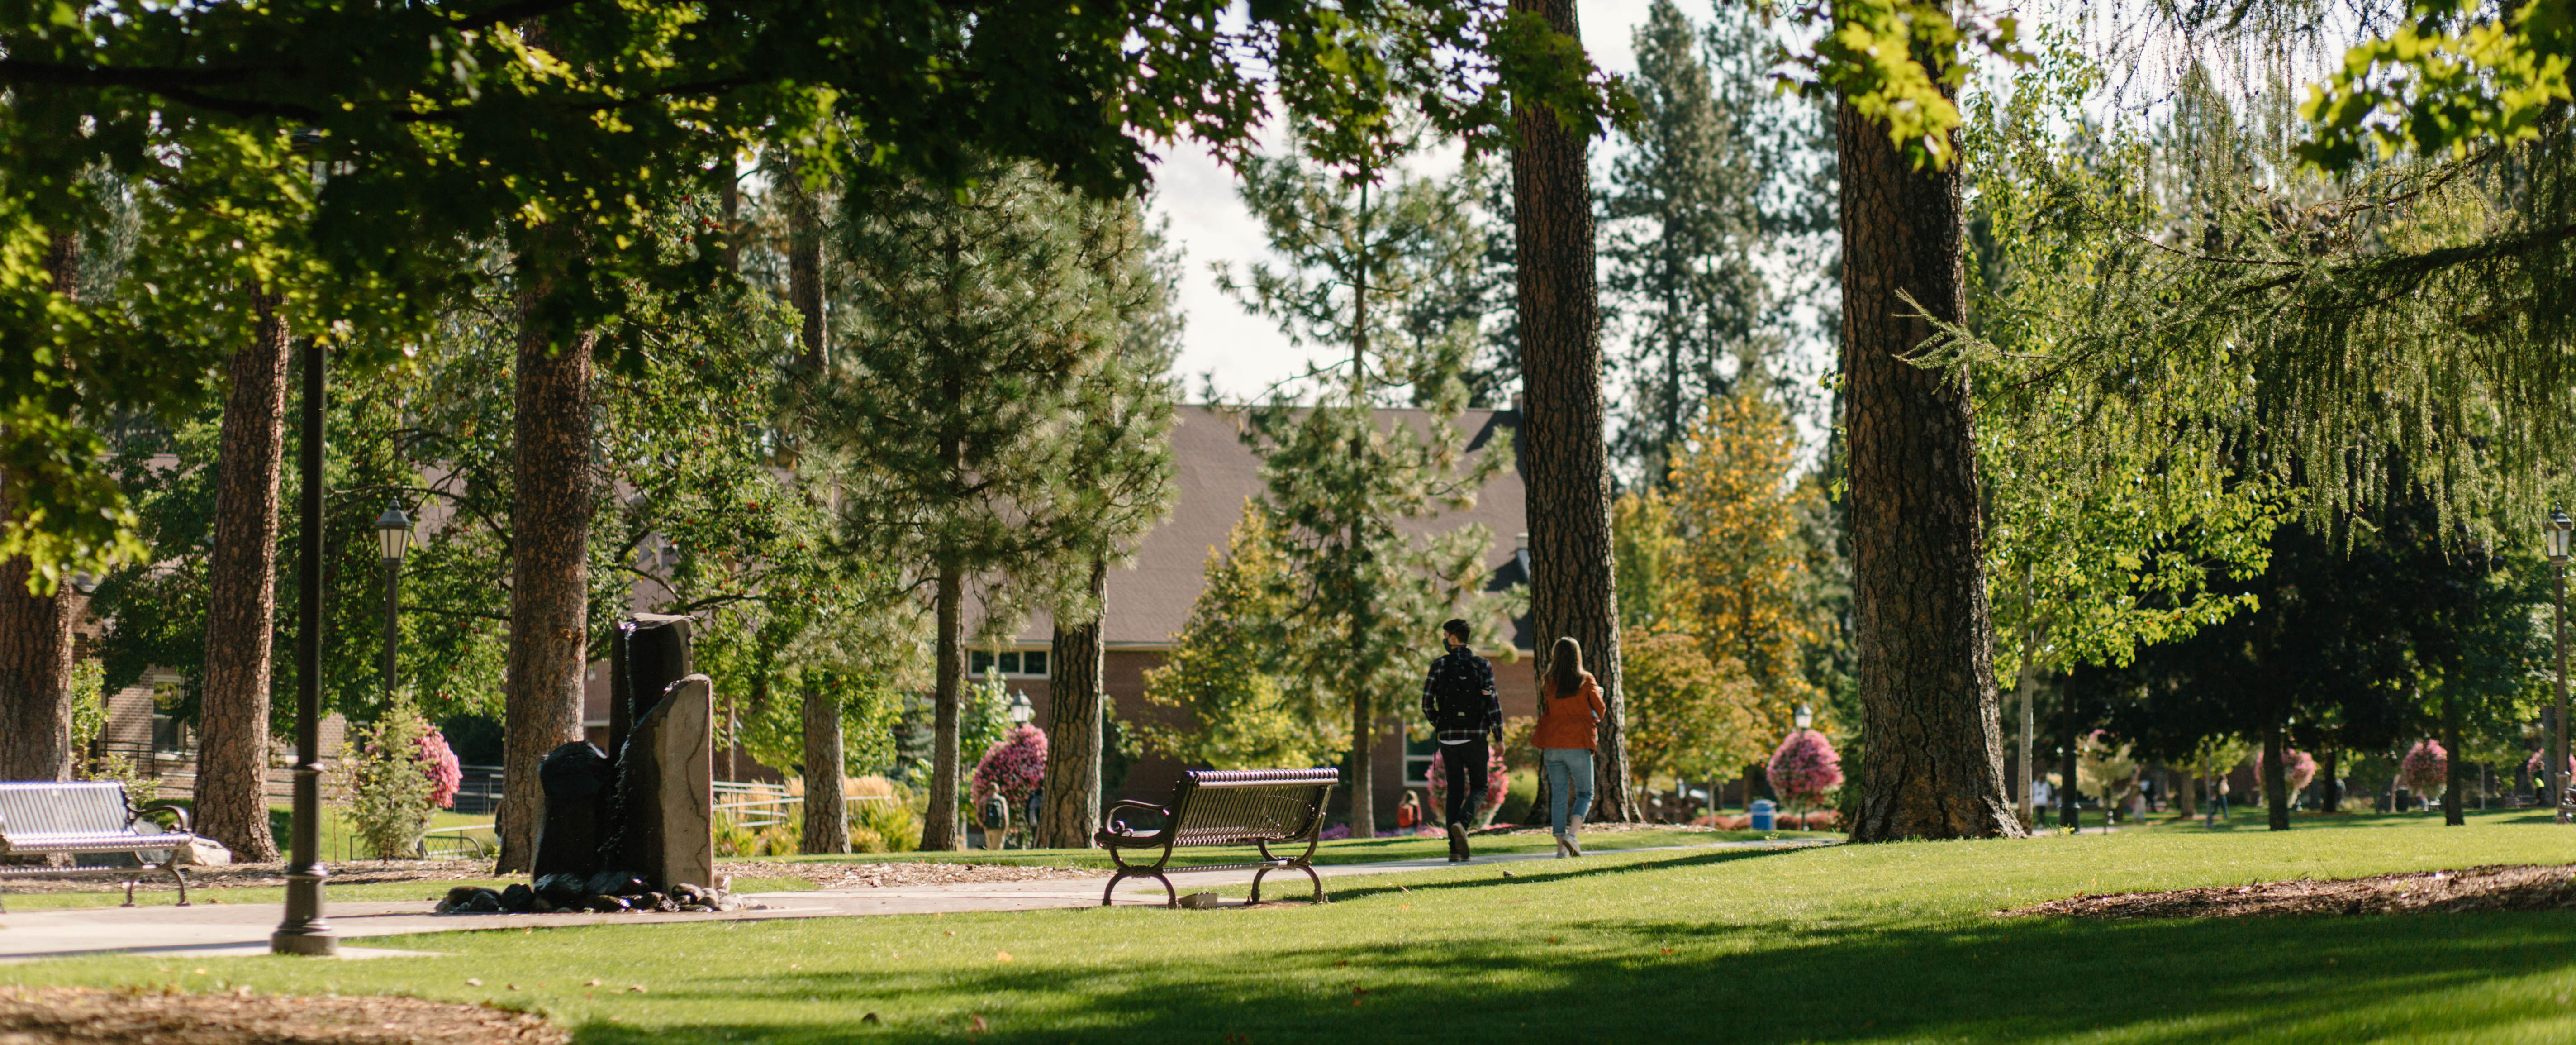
<point x="43" y="818"/>
<point x="1260" y="807"/>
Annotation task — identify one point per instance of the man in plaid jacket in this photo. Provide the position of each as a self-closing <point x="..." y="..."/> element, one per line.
<point x="1458" y="698"/>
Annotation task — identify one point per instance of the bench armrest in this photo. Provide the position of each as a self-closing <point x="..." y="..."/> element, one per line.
<point x="186" y="826"/>
<point x="1117" y="826"/>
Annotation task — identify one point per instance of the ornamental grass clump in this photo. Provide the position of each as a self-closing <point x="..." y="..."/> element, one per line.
<point x="1498" y="784"/>
<point x="1805" y="768"/>
<point x="2426" y="768"/>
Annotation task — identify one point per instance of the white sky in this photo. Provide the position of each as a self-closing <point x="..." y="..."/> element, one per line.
<point x="1210" y="225"/>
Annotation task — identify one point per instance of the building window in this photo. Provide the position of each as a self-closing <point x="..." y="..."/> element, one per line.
<point x="1011" y="663"/>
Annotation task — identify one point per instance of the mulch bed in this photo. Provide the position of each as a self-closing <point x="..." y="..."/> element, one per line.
<point x="235" y="876"/>
<point x="83" y="1016"/>
<point x="2497" y="888"/>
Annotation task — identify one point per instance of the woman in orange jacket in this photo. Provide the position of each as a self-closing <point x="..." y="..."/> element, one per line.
<point x="1569" y="718"/>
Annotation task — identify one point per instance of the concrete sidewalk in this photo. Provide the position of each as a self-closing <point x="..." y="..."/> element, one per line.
<point x="243" y="929"/>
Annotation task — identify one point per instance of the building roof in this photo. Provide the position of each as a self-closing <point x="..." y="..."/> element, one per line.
<point x="1216" y="474"/>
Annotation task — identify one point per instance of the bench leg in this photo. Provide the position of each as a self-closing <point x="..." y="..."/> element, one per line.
<point x="1319" y="884"/>
<point x="1256" y="885"/>
<point x="129" y="892"/>
<point x="182" y="876"/>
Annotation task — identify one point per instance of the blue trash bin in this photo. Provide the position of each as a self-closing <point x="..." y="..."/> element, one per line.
<point x="1762" y="808"/>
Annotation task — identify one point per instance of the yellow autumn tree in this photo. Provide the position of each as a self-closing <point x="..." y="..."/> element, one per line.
<point x="1738" y="580"/>
<point x="1690" y="716"/>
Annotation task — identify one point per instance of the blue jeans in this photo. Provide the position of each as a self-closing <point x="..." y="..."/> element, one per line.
<point x="1563" y="763"/>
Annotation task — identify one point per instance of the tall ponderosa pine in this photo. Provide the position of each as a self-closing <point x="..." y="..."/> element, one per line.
<point x="1368" y="597"/>
<point x="1681" y="243"/>
<point x="974" y="321"/>
<point x="1118" y="484"/>
<point x="1574" y="575"/>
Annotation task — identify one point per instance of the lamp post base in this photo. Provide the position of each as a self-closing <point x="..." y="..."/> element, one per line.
<point x="311" y="941"/>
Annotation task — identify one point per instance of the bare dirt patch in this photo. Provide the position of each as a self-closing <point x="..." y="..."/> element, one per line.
<point x="82" y="1016"/>
<point x="838" y="876"/>
<point x="2497" y="888"/>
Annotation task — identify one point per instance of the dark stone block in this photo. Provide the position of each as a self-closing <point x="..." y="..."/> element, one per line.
<point x="458" y="897"/>
<point x="666" y="790"/>
<point x="604" y="904"/>
<point x="518" y="898"/>
<point x="649" y="653"/>
<point x="562" y="889"/>
<point x="485" y="902"/>
<point x="580" y="803"/>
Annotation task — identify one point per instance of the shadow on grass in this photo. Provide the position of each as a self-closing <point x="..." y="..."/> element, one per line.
<point x="1981" y="979"/>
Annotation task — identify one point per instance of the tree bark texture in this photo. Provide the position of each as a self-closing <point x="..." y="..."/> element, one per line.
<point x="1573" y="582"/>
<point x="940" y="831"/>
<point x="827" y="814"/>
<point x="2276" y="779"/>
<point x="2454" y="768"/>
<point x="805" y="267"/>
<point x="1934" y="764"/>
<point x="36" y="630"/>
<point x="241" y="594"/>
<point x="2330" y="793"/>
<point x="1075" y="682"/>
<point x="550" y="513"/>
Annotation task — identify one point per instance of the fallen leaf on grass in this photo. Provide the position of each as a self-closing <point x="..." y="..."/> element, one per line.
<point x="976" y="1023"/>
<point x="1668" y="950"/>
<point x="1341" y="963"/>
<point x="870" y="1018"/>
<point x="472" y="982"/>
<point x="637" y="989"/>
<point x="1003" y="956"/>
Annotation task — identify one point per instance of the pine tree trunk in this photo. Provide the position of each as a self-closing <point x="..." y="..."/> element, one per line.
<point x="939" y="828"/>
<point x="36" y="630"/>
<point x="827" y="815"/>
<point x="550" y="512"/>
<point x="1363" y="734"/>
<point x="2276" y="779"/>
<point x="1924" y="640"/>
<point x="2330" y="796"/>
<point x="1574" y="583"/>
<point x="1075" y="682"/>
<point x="2454" y="768"/>
<point x="241" y="595"/>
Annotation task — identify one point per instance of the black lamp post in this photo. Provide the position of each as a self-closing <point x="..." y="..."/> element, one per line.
<point x="393" y="537"/>
<point x="2559" y="525"/>
<point x="305" y="931"/>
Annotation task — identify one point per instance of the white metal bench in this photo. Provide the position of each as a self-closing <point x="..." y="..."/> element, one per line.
<point x="43" y="818"/>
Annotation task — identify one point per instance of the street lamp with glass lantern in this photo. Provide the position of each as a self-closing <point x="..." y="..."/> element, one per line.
<point x="1805" y="717"/>
<point x="2559" y="527"/>
<point x="393" y="537"/>
<point x="304" y="930"/>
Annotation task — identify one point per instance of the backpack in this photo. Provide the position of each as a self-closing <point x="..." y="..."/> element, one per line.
<point x="1458" y="702"/>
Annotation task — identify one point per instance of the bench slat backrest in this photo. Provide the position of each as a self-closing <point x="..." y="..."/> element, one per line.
<point x="1225" y="807"/>
<point x="88" y="807"/>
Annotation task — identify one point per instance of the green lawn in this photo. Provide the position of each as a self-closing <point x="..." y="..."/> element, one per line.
<point x="1345" y="851"/>
<point x="1843" y="944"/>
<point x="155" y="891"/>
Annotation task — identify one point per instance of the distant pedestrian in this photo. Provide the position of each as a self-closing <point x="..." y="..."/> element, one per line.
<point x="1569" y="720"/>
<point x="1458" y="698"/>
<point x="1408" y="813"/>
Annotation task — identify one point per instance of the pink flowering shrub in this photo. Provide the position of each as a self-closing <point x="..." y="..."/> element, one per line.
<point x="2425" y="768"/>
<point x="1012" y="767"/>
<point x="1498" y="780"/>
<point x="1806" y="768"/>
<point x="438" y="763"/>
<point x="2298" y="768"/>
